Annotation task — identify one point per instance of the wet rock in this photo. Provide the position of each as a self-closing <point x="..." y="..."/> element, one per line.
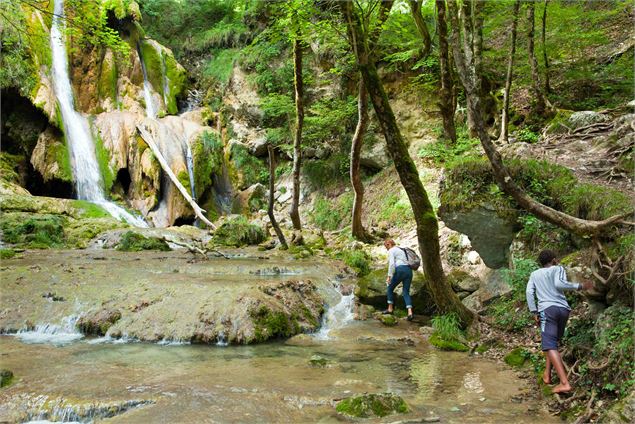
<point x="6" y="377"/>
<point x="586" y="117"/>
<point x="389" y="320"/>
<point x="98" y="323"/>
<point x="372" y="405"/>
<point x="61" y="409"/>
<point x="318" y="361"/>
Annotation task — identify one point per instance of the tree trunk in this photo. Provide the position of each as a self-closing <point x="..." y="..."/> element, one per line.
<point x="544" y="48"/>
<point x="272" y="187"/>
<point x="297" y="142"/>
<point x="508" y="79"/>
<point x="540" y="101"/>
<point x="446" y="102"/>
<point x="503" y="178"/>
<point x="198" y="211"/>
<point x="357" y="228"/>
<point x="415" y="9"/>
<point x="427" y="226"/>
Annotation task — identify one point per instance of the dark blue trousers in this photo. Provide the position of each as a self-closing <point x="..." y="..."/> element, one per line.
<point x="403" y="274"/>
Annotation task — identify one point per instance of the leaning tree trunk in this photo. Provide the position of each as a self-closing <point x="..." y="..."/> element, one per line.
<point x="508" y="79"/>
<point x="272" y="187"/>
<point x="415" y="9"/>
<point x="297" y="142"/>
<point x="357" y="228"/>
<point x="427" y="226"/>
<point x="540" y="105"/>
<point x="544" y="48"/>
<point x="501" y="173"/>
<point x="446" y="101"/>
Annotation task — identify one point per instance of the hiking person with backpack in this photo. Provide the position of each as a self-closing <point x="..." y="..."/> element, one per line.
<point x="401" y="262"/>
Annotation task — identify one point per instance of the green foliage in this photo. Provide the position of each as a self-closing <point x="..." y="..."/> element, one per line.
<point x="250" y="169"/>
<point x="322" y="173"/>
<point x="6" y="253"/>
<point x="526" y="135"/>
<point x="37" y="232"/>
<point x="444" y="151"/>
<point x="395" y="209"/>
<point x="516" y="358"/>
<point x="218" y="69"/>
<point x="17" y="67"/>
<point x="135" y="242"/>
<point x="537" y="235"/>
<point x="447" y="334"/>
<point x="369" y="405"/>
<point x="511" y="313"/>
<point x="238" y="232"/>
<point x="207" y="155"/>
<point x="328" y="118"/>
<point x="358" y="260"/>
<point x="277" y="109"/>
<point x="329" y="215"/>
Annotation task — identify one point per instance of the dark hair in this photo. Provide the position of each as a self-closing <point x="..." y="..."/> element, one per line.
<point x="545" y="257"/>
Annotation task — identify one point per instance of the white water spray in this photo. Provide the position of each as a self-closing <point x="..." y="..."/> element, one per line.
<point x="337" y="316"/>
<point x="52" y="333"/>
<point x="88" y="180"/>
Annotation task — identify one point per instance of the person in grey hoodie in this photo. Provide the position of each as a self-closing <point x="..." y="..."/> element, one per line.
<point x="552" y="312"/>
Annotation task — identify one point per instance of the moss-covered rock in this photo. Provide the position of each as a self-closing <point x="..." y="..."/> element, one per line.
<point x="516" y="358"/>
<point x="135" y="242"/>
<point x="443" y="344"/>
<point x="6" y="377"/>
<point x="98" y="322"/>
<point x="372" y="405"/>
<point x="318" y="361"/>
<point x="388" y="320"/>
<point x="238" y="232"/>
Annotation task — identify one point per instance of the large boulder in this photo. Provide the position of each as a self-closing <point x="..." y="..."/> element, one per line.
<point x="50" y="157"/>
<point x="371" y="290"/>
<point x="586" y="117"/>
<point x="374" y="155"/>
<point x="491" y="235"/>
<point x="492" y="287"/>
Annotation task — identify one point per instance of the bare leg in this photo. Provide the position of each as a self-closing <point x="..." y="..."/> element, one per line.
<point x="390" y="307"/>
<point x="409" y="311"/>
<point x="556" y="362"/>
<point x="546" y="376"/>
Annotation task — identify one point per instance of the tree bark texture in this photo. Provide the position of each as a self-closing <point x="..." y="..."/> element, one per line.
<point x="357" y="228"/>
<point x="446" y="95"/>
<point x="503" y="178"/>
<point x="540" y="105"/>
<point x="272" y="188"/>
<point x="427" y="226"/>
<point x="415" y="9"/>
<point x="544" y="47"/>
<point x="508" y="78"/>
<point x="297" y="141"/>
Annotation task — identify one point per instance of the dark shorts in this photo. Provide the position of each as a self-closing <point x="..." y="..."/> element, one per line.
<point x="552" y="323"/>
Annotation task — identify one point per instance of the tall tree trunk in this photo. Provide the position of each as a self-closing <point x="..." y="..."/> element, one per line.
<point x="508" y="79"/>
<point x="446" y="101"/>
<point x="544" y="48"/>
<point x="415" y="9"/>
<point x="272" y="188"/>
<point x="471" y="40"/>
<point x="501" y="173"/>
<point x="357" y="228"/>
<point x="427" y="226"/>
<point x="297" y="142"/>
<point x="540" y="105"/>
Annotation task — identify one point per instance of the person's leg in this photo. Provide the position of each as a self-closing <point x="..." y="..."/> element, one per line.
<point x="546" y="376"/>
<point x="561" y="321"/>
<point x="389" y="290"/>
<point x="558" y="365"/>
<point x="406" y="290"/>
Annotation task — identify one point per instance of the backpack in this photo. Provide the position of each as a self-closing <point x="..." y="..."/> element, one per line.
<point x="414" y="262"/>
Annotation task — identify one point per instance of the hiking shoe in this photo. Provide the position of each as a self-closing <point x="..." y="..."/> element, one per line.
<point x="386" y="312"/>
<point x="410" y="317"/>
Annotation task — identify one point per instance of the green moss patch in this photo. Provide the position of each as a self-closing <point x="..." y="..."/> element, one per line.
<point x="442" y="344"/>
<point x="238" y="232"/>
<point x="207" y="154"/>
<point x="270" y="324"/>
<point x="447" y="334"/>
<point x="7" y="253"/>
<point x="372" y="405"/>
<point x="517" y="357"/>
<point x="6" y="377"/>
<point x="36" y="232"/>
<point x="135" y="242"/>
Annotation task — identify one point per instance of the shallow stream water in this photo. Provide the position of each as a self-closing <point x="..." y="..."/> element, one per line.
<point x="267" y="383"/>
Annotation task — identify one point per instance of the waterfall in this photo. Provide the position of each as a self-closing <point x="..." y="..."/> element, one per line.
<point x="190" y="168"/>
<point x="336" y="316"/>
<point x="52" y="333"/>
<point x="88" y="181"/>
<point x="151" y="109"/>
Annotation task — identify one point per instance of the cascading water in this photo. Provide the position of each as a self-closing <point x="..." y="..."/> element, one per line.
<point x="190" y="168"/>
<point x="336" y="316"/>
<point x="52" y="333"/>
<point x="151" y="109"/>
<point x="88" y="180"/>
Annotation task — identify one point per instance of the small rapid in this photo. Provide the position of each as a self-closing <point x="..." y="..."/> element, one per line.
<point x="55" y="334"/>
<point x="88" y="181"/>
<point x="337" y="317"/>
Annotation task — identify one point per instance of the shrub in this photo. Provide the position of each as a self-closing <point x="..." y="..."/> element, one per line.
<point x="238" y="232"/>
<point x="358" y="260"/>
<point x="38" y="232"/>
<point x="447" y="334"/>
<point x="332" y="215"/>
<point x="135" y="242"/>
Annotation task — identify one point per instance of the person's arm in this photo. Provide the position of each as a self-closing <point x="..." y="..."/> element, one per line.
<point x="562" y="283"/>
<point x="530" y="293"/>
<point x="391" y="264"/>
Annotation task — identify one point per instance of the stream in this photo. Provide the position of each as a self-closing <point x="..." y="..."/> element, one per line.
<point x="61" y="375"/>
